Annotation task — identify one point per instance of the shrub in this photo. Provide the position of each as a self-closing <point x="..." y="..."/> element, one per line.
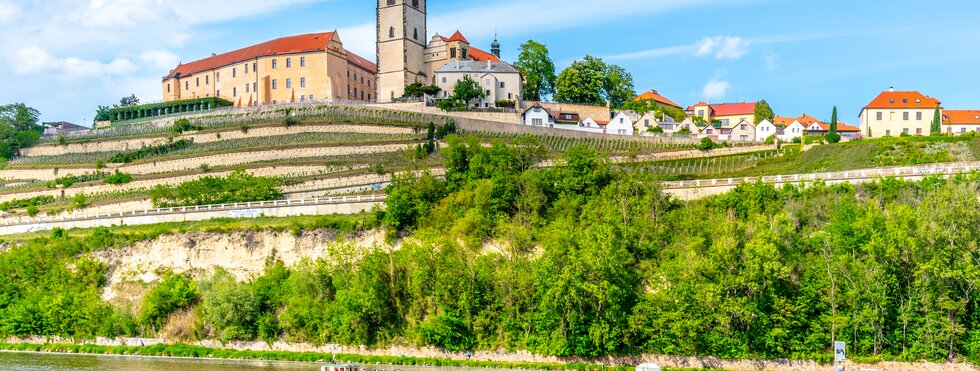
<point x="173" y="293"/>
<point x="238" y="186"/>
<point x="26" y="203"/>
<point x="771" y="139"/>
<point x="80" y="200"/>
<point x="183" y="125"/>
<point x="290" y="121"/>
<point x="707" y="144"/>
<point x="127" y="157"/>
<point x="118" y="178"/>
<point x="797" y="140"/>
<point x="32" y="211"/>
<point x="832" y="138"/>
<point x="505" y="104"/>
<point x="656" y="130"/>
<point x="903" y="135"/>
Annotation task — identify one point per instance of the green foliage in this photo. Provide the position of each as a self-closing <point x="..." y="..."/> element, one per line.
<point x="118" y="178"/>
<point x="656" y="129"/>
<point x="645" y="106"/>
<point x="505" y="104"/>
<point x="707" y="144"/>
<point x="535" y="64"/>
<point x="238" y="186"/>
<point x="19" y="128"/>
<point x="592" y="81"/>
<point x="158" y="150"/>
<point x="129" y="100"/>
<point x="417" y="90"/>
<point x="762" y="112"/>
<point x="79" y="200"/>
<point x="833" y="122"/>
<point x="771" y="139"/>
<point x="936" y="126"/>
<point x="101" y="114"/>
<point x="163" y="108"/>
<point x="229" y="307"/>
<point x="174" y="292"/>
<point x="25" y="203"/>
<point x="184" y="125"/>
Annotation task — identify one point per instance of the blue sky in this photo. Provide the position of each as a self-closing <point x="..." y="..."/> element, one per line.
<point x="65" y="57"/>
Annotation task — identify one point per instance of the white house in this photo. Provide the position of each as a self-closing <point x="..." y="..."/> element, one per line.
<point x="764" y="130"/>
<point x="794" y="130"/>
<point x="538" y="116"/>
<point x="646" y="122"/>
<point x="621" y="124"/>
<point x="499" y="81"/>
<point x="956" y="122"/>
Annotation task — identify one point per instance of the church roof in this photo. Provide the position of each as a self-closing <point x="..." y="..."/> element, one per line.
<point x="477" y="66"/>
<point x="362" y="63"/>
<point x="482" y="56"/>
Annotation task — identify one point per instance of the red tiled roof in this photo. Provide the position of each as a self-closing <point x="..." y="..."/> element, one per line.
<point x="961" y="117"/>
<point x="782" y="121"/>
<point x="700" y="104"/>
<point x="482" y="56"/>
<point x="361" y="62"/>
<point x="286" y="45"/>
<point x="656" y="97"/>
<point x="732" y="109"/>
<point x="841" y="127"/>
<point x="458" y="37"/>
<point x="902" y="100"/>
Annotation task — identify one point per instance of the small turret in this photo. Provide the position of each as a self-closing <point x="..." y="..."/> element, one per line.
<point x="495" y="47"/>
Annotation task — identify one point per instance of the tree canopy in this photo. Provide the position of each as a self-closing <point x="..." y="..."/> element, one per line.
<point x="19" y="128"/>
<point x="592" y="81"/>
<point x="763" y="112"/>
<point x="538" y="69"/>
<point x="937" y="122"/>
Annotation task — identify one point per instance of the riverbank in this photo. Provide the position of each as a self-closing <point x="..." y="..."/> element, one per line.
<point x="408" y="357"/>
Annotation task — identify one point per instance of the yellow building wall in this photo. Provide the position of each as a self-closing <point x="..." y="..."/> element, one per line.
<point x="893" y="122"/>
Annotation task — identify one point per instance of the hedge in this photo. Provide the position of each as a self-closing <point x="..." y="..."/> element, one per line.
<point x="166" y="108"/>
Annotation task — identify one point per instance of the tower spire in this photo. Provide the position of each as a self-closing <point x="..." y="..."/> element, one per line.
<point x="495" y="47"/>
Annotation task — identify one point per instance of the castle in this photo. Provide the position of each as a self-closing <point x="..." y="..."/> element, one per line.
<point x="403" y="55"/>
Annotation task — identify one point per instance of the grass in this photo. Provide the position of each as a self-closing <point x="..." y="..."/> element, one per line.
<point x="192" y="351"/>
<point x="341" y="223"/>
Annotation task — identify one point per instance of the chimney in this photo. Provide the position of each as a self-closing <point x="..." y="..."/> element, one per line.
<point x="214" y="54"/>
<point x="489" y="64"/>
<point x="457" y="65"/>
<point x="891" y="88"/>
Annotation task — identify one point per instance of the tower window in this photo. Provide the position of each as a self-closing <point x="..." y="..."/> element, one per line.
<point x="391" y="32"/>
<point x="415" y="3"/>
<point x="391" y="2"/>
<point x="416" y="34"/>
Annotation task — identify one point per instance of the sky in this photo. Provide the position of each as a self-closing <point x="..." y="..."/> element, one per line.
<point x="66" y="57"/>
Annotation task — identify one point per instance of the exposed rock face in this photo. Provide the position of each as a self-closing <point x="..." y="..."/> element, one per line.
<point x="241" y="253"/>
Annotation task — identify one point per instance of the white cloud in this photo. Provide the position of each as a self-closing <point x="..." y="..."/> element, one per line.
<point x="772" y="61"/>
<point x="34" y="59"/>
<point x="9" y="11"/>
<point x="160" y="59"/>
<point x="715" y="89"/>
<point x="723" y="47"/>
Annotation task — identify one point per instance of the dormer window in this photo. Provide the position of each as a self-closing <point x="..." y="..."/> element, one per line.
<point x="891" y="101"/>
<point x="918" y="101"/>
<point x="905" y="100"/>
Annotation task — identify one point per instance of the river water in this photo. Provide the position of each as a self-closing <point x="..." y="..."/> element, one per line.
<point x="29" y="361"/>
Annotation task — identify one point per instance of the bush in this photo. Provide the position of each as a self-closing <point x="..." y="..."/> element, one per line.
<point x="118" y="178"/>
<point x="505" y="104"/>
<point x="229" y="307"/>
<point x="903" y="135"/>
<point x="707" y="144"/>
<point x="127" y="157"/>
<point x="832" y="138"/>
<point x="183" y="125"/>
<point x="79" y="201"/>
<point x="26" y="203"/>
<point x="238" y="186"/>
<point x="797" y="140"/>
<point x="656" y="130"/>
<point x="771" y="139"/>
<point x="290" y="121"/>
<point x="173" y="293"/>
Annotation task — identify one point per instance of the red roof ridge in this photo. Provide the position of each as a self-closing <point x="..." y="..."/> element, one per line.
<point x="362" y="62"/>
<point x="458" y="36"/>
<point x="904" y="100"/>
<point x="283" y="45"/>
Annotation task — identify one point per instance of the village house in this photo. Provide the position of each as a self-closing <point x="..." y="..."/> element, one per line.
<point x="892" y="113"/>
<point x="957" y="122"/>
<point x="621" y="123"/>
<point x="500" y="81"/>
<point x="791" y="131"/>
<point x="537" y="115"/>
<point x="845" y="131"/>
<point x="764" y="130"/>
<point x="725" y="113"/>
<point x="653" y="95"/>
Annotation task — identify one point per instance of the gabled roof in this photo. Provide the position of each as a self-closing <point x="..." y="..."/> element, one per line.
<point x="458" y="36"/>
<point x="482" y="56"/>
<point x="656" y="97"/>
<point x="362" y="63"/>
<point x="728" y="109"/>
<point x="902" y="100"/>
<point x="961" y="117"/>
<point x="782" y="120"/>
<point x="551" y="114"/>
<point x="287" y="45"/>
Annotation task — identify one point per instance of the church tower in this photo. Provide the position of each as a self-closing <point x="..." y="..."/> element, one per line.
<point x="401" y="44"/>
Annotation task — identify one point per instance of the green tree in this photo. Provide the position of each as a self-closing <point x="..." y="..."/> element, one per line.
<point x="19" y="128"/>
<point x="582" y="82"/>
<point x="937" y="122"/>
<point x="763" y="112"/>
<point x="832" y="135"/>
<point x="130" y="100"/>
<point x="102" y="114"/>
<point x="539" y="71"/>
<point x="618" y="86"/>
<point x="418" y="90"/>
<point x="172" y="293"/>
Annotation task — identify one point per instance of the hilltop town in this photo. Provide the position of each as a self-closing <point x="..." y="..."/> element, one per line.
<point x="439" y="205"/>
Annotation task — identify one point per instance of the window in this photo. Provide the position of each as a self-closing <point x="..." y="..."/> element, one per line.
<point x="289" y="62"/>
<point x="217" y="76"/>
<point x="963" y="130"/>
<point x="502" y="85"/>
<point x="369" y="97"/>
<point x="247" y="88"/>
<point x="391" y="2"/>
<point x="891" y="100"/>
<point x="510" y="96"/>
<point x="745" y="126"/>
<point x="905" y="116"/>
<point x="391" y="32"/>
<point x="274" y="63"/>
<point x="355" y="93"/>
<point x="701" y="113"/>
<point x="918" y="131"/>
<point x="255" y="87"/>
<point x="234" y="92"/>
<point x="905" y="100"/>
<point x="487" y="82"/>
<point x="207" y="80"/>
<point x="362" y="94"/>
<point x="311" y="98"/>
<point x="302" y="98"/>
<point x="275" y="84"/>
<point x="302" y="82"/>
<point x="219" y="94"/>
<point x="537" y="122"/>
<point x="443" y="79"/>
<point x="917" y="100"/>
<point x="197" y="81"/>
<point x="879" y="116"/>
<point x="905" y="130"/>
<point x="416" y="34"/>
<point x="187" y="85"/>
<point x="289" y="83"/>
<point x="369" y="83"/>
<point x="415" y="3"/>
<point x="234" y="73"/>
<point x="452" y="53"/>
<point x="246" y="68"/>
<point x="255" y="67"/>
<point x="168" y="88"/>
<point x="918" y="115"/>
<point x="302" y="62"/>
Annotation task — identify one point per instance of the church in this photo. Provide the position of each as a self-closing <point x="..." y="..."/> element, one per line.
<point x="405" y="56"/>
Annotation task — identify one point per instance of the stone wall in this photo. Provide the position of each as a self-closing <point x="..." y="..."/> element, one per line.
<point x="598" y="113"/>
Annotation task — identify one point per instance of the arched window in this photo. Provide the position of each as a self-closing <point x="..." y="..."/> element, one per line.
<point x="416" y="34"/>
<point x="391" y="32"/>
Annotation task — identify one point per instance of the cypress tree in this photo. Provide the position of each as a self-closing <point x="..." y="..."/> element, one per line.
<point x="833" y="121"/>
<point x="937" y="120"/>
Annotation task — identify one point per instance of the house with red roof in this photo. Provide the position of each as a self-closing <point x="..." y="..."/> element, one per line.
<point x="310" y="67"/>
<point x="653" y="95"/>
<point x="957" y="122"/>
<point x="892" y="113"/>
<point x="725" y="113"/>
